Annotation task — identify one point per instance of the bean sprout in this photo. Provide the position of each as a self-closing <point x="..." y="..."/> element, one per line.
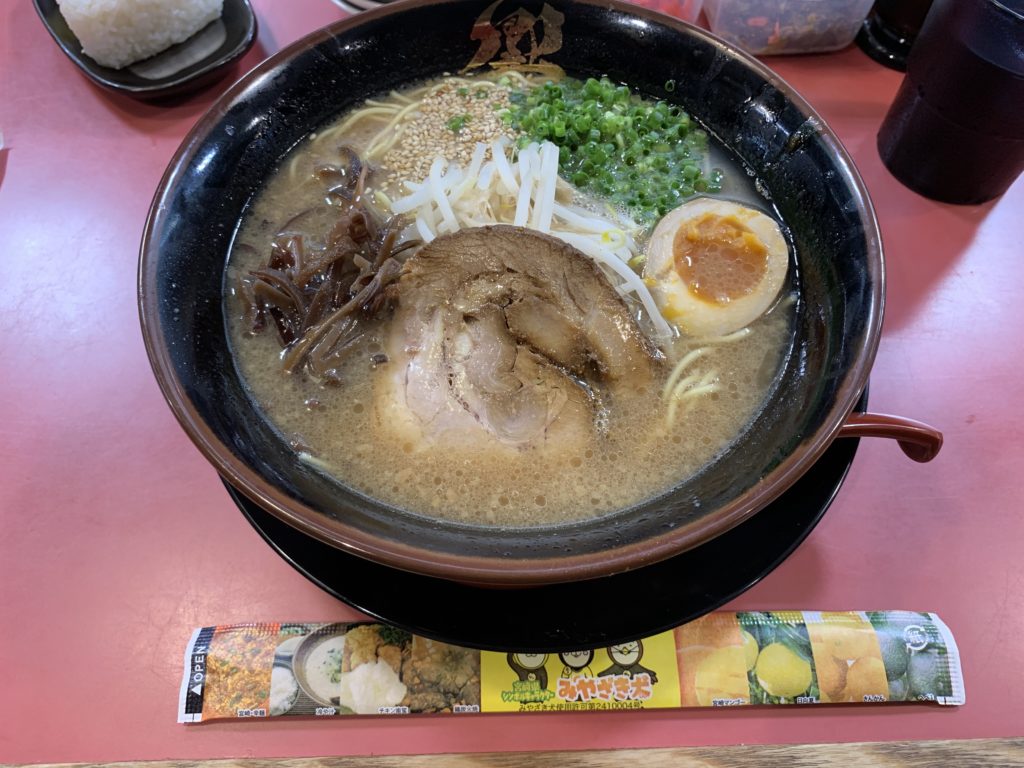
<point x="526" y="191"/>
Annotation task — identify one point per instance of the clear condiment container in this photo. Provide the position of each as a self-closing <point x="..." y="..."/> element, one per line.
<point x="766" y="27"/>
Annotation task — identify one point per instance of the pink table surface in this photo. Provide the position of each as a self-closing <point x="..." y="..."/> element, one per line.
<point x="117" y="537"/>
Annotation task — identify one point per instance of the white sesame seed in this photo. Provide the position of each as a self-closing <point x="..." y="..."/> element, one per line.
<point x="428" y="131"/>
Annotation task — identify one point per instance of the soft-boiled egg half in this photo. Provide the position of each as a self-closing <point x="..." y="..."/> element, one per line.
<point x="715" y="266"/>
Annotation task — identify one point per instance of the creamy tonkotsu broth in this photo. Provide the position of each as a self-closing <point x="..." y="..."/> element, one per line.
<point x="492" y="450"/>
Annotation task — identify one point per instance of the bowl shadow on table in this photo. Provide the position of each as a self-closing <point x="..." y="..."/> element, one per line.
<point x="266" y="42"/>
<point x="923" y="240"/>
<point x="917" y="257"/>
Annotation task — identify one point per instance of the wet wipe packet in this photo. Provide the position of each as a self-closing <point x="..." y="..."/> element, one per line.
<point x="723" y="659"/>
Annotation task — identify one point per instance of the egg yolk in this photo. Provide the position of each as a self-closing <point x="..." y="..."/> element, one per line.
<point x="718" y="258"/>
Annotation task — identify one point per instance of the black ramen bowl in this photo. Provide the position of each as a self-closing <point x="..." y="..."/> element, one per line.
<point x="800" y="165"/>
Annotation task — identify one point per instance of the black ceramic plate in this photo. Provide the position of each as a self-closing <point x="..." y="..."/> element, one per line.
<point x="198" y="61"/>
<point x="557" y="617"/>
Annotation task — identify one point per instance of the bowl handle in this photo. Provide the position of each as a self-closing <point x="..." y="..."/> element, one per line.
<point x="918" y="440"/>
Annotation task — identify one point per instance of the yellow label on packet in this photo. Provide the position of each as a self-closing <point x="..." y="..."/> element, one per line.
<point x="712" y="656"/>
<point x="847" y="657"/>
<point x="631" y="675"/>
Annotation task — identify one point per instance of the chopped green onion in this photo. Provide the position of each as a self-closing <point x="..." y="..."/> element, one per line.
<point x="612" y="142"/>
<point x="458" y="122"/>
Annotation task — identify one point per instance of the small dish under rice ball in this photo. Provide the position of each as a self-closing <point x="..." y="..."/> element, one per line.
<point x="116" y="33"/>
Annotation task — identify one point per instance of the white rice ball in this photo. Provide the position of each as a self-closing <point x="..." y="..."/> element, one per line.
<point x="118" y="32"/>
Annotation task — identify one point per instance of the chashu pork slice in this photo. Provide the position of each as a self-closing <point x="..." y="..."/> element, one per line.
<point x="503" y="333"/>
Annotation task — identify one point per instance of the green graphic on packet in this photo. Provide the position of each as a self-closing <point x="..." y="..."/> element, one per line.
<point x="811" y="657"/>
<point x="780" y="662"/>
<point x="916" y="655"/>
